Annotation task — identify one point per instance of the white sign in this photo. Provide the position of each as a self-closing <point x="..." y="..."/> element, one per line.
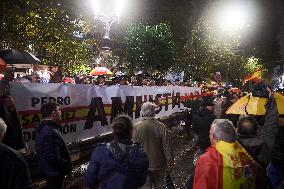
<point x="87" y="110"/>
<point x="174" y="77"/>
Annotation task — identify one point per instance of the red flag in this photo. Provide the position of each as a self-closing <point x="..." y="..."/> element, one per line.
<point x="256" y="75"/>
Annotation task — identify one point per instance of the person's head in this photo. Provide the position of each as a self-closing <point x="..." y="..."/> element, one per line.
<point x="148" y="109"/>
<point x="122" y="127"/>
<point x="101" y="80"/>
<point x="7" y="101"/>
<point x="222" y="130"/>
<point x="232" y="99"/>
<point x="51" y="111"/>
<point x="123" y="81"/>
<point x="247" y="126"/>
<point x="134" y="80"/>
<point x="3" y="128"/>
<point x="144" y="82"/>
<point x="208" y="105"/>
<point x="58" y="77"/>
<point x="281" y="120"/>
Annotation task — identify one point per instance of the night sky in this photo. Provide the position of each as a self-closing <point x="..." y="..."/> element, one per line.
<point x="281" y="33"/>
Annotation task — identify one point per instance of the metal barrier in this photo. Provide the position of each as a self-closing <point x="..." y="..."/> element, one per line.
<point x="80" y="154"/>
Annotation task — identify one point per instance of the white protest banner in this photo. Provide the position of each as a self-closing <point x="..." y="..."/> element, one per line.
<point x="87" y="110"/>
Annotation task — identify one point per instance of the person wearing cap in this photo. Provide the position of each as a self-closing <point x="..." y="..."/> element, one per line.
<point x="202" y="123"/>
<point x="57" y="77"/>
<point x="101" y="80"/>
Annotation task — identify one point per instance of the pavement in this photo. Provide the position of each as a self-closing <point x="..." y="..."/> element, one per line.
<point x="184" y="155"/>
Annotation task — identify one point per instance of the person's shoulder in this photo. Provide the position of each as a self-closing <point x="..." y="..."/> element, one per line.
<point x="252" y="141"/>
<point x="100" y="147"/>
<point x="138" y="150"/>
<point x="99" y="150"/>
<point x="5" y="149"/>
<point x="45" y="129"/>
<point x="11" y="153"/>
<point x="138" y="123"/>
<point x="211" y="156"/>
<point x="136" y="145"/>
<point x="141" y="124"/>
<point x="158" y="122"/>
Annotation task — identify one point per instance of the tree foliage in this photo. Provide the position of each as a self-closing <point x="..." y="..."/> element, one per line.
<point x="47" y="26"/>
<point x="150" y="48"/>
<point x="206" y="52"/>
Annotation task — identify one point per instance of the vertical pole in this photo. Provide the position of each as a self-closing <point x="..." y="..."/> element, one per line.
<point x="227" y="75"/>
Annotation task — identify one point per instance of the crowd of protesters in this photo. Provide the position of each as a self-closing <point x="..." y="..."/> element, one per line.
<point x="236" y="152"/>
<point x="241" y="151"/>
<point x="57" y="76"/>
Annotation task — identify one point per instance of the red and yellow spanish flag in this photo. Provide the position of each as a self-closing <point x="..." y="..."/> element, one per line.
<point x="225" y="166"/>
<point x="255" y="76"/>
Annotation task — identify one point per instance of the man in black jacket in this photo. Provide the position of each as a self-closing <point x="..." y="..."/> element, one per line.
<point x="52" y="153"/>
<point x="202" y="123"/>
<point x="14" y="171"/>
<point x="247" y="131"/>
<point x="273" y="135"/>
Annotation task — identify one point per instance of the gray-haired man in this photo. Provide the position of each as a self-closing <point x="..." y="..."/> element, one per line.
<point x="154" y="138"/>
<point x="14" y="172"/>
<point x="226" y="164"/>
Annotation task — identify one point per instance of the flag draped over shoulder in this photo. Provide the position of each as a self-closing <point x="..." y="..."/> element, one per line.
<point x="256" y="75"/>
<point x="225" y="166"/>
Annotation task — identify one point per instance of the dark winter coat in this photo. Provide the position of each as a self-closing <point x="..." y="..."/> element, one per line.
<point x="273" y="134"/>
<point x="13" y="136"/>
<point x="128" y="160"/>
<point x="14" y="171"/>
<point x="195" y="105"/>
<point x="201" y="125"/>
<point x="277" y="154"/>
<point x="52" y="153"/>
<point x="257" y="148"/>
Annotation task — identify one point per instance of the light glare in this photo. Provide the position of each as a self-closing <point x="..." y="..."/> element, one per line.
<point x="119" y="6"/>
<point x="233" y="16"/>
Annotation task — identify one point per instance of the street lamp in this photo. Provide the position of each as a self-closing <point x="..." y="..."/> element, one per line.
<point x="234" y="16"/>
<point x="231" y="19"/>
<point x="108" y="12"/>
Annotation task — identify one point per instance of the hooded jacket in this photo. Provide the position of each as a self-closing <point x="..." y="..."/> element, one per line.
<point x="127" y="160"/>
<point x="225" y="166"/>
<point x="201" y="126"/>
